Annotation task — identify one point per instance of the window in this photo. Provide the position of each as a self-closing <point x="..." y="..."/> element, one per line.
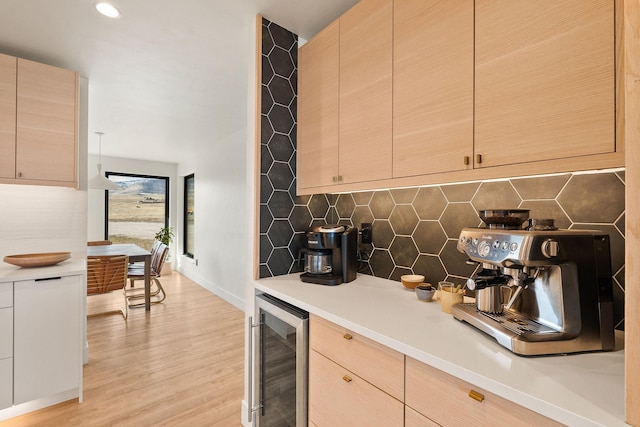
<point x="138" y="210"/>
<point x="189" y="215"/>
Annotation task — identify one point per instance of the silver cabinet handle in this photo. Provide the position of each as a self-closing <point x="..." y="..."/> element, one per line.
<point x="250" y="408"/>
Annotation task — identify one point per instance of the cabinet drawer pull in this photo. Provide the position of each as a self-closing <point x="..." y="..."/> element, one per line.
<point x="19" y="174"/>
<point x="476" y="396"/>
<point x="466" y="160"/>
<point x="347" y="337"/>
<point x="478" y="158"/>
<point x="347" y="378"/>
<point x="335" y="178"/>
<point x="43" y="279"/>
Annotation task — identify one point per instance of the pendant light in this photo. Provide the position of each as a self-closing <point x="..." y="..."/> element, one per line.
<point x="101" y="182"/>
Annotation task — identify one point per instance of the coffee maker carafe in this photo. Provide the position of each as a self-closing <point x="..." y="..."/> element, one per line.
<point x="331" y="255"/>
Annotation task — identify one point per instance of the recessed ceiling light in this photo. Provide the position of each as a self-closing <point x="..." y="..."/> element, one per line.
<point x="108" y="10"/>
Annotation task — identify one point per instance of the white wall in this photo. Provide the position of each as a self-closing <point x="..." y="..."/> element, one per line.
<point x="221" y="237"/>
<point x="37" y="219"/>
<point x="221" y="255"/>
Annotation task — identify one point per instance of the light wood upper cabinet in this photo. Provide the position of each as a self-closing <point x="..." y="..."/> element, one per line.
<point x="432" y="86"/>
<point x="46" y="140"/>
<point x="317" y="155"/>
<point x="365" y="91"/>
<point x="8" y="65"/>
<point x="544" y="80"/>
<point x="433" y="92"/>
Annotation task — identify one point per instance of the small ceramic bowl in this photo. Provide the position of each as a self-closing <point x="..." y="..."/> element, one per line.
<point x="410" y="281"/>
<point x="425" y="292"/>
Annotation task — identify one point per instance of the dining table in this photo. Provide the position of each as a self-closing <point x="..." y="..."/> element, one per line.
<point x="135" y="254"/>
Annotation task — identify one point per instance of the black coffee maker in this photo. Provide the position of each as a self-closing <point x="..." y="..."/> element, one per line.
<point x="331" y="255"/>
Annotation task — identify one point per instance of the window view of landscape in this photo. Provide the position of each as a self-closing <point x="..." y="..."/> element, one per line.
<point x="138" y="210"/>
<point x="189" y="215"/>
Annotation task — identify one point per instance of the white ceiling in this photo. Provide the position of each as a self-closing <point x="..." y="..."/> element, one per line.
<point x="166" y="75"/>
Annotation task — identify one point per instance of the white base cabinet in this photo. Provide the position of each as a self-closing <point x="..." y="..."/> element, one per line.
<point x="6" y="382"/>
<point x="46" y="345"/>
<point x="42" y="335"/>
<point x="6" y="344"/>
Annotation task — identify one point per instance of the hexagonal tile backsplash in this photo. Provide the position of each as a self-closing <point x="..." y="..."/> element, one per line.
<point x="414" y="230"/>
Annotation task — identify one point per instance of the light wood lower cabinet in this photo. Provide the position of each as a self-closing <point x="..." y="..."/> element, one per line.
<point x="352" y="380"/>
<point x="446" y="400"/>
<point x="376" y="363"/>
<point x="338" y="397"/>
<point x="414" y="418"/>
<point x="356" y="381"/>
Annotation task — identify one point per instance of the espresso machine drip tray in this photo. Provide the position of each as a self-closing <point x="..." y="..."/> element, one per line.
<point x="510" y="329"/>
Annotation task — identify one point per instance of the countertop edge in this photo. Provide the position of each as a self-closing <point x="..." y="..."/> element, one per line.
<point x="70" y="267"/>
<point x="278" y="288"/>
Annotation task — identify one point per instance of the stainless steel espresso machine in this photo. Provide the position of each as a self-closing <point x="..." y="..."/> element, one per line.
<point x="331" y="255"/>
<point x="540" y="290"/>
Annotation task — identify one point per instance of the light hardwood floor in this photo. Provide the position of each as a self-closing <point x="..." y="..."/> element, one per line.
<point x="180" y="365"/>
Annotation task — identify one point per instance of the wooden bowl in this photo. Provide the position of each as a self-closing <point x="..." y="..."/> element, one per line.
<point x="410" y="281"/>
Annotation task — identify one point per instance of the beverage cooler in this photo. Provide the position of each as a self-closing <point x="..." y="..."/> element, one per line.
<point x="279" y="347"/>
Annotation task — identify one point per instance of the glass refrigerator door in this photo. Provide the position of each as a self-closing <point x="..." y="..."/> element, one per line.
<point x="278" y="379"/>
<point x="282" y="364"/>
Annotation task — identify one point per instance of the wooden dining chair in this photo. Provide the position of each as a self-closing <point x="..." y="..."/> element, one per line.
<point x="106" y="274"/>
<point x="136" y="272"/>
<point x="98" y="242"/>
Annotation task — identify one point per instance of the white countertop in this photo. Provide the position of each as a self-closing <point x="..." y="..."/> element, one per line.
<point x="70" y="267"/>
<point x="577" y="390"/>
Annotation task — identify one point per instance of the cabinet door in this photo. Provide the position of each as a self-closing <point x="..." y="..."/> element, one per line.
<point x="337" y="397"/>
<point x="416" y="419"/>
<point x="428" y="391"/>
<point x="47" y="342"/>
<point x="6" y="294"/>
<point x="46" y="123"/>
<point x="8" y="116"/>
<point x="365" y="91"/>
<point x="317" y="151"/>
<point x="6" y="383"/>
<point x="544" y="80"/>
<point x="376" y="363"/>
<point x="6" y="332"/>
<point x="432" y="86"/>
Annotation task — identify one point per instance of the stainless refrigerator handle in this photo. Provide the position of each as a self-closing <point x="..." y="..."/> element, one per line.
<point x="250" y="408"/>
<point x="250" y="372"/>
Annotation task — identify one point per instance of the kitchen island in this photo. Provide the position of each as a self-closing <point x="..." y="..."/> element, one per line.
<point x="578" y="389"/>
